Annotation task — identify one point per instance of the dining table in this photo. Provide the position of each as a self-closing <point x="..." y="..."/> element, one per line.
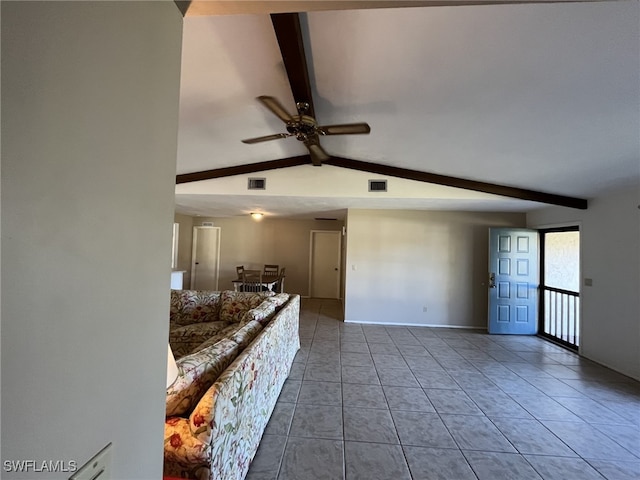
<point x="268" y="281"/>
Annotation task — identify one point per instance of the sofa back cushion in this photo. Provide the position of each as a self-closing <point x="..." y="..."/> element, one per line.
<point x="233" y="305"/>
<point x="183" y="340"/>
<point x="264" y="312"/>
<point x="193" y="306"/>
<point x="245" y="335"/>
<point x="261" y="314"/>
<point x="279" y="299"/>
<point x="197" y="372"/>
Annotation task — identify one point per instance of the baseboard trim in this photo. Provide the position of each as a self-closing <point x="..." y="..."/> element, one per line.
<point x="391" y="324"/>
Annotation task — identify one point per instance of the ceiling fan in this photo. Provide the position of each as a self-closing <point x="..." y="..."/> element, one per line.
<point x="305" y="128"/>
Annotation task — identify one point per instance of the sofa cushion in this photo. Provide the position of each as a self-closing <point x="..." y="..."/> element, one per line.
<point x="279" y="299"/>
<point x="180" y="443"/>
<point x="181" y="348"/>
<point x="204" y="329"/>
<point x="221" y="335"/>
<point x="197" y="372"/>
<point x="245" y="335"/>
<point x="185" y="340"/>
<point x="262" y="313"/>
<point x="193" y="306"/>
<point x="235" y="332"/>
<point x="233" y="305"/>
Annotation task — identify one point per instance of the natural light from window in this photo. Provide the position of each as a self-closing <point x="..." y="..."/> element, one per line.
<point x="562" y="260"/>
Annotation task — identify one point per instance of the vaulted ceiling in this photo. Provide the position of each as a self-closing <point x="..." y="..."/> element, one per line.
<point x="535" y="96"/>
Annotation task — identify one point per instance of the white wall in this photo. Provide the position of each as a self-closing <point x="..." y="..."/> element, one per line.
<point x="285" y="242"/>
<point x="610" y="251"/>
<point x="400" y="261"/>
<point x="89" y="126"/>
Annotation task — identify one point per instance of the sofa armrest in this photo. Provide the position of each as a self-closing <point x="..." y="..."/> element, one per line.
<point x="197" y="372"/>
<point x="181" y="445"/>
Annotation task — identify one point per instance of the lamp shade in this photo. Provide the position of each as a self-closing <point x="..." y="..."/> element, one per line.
<point x="172" y="368"/>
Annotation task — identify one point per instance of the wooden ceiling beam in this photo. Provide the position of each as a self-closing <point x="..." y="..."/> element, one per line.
<point x="225" y="7"/>
<point x="243" y="169"/>
<point x="390" y="171"/>
<point x="183" y="6"/>
<point x="289" y="35"/>
<point x="427" y="177"/>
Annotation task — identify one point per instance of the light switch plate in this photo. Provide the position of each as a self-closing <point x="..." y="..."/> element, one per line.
<point x="98" y="468"/>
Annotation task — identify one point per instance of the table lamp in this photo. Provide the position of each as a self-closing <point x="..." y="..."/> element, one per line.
<point x="172" y="367"/>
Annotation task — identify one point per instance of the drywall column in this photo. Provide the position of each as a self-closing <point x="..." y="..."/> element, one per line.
<point x="89" y="138"/>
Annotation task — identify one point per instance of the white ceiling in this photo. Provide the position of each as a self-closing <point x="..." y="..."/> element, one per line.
<point x="538" y="96"/>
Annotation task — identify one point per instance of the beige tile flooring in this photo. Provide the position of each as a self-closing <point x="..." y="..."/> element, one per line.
<point x="398" y="403"/>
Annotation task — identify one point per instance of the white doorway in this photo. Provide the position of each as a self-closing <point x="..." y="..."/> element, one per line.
<point x="205" y="258"/>
<point x="324" y="264"/>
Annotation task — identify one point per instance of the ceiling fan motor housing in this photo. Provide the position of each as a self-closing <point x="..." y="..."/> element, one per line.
<point x="302" y="126"/>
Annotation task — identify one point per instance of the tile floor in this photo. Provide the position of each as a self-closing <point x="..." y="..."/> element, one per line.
<point x="400" y="403"/>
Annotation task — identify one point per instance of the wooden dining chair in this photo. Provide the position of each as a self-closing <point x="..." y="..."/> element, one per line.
<point x="280" y="286"/>
<point x="270" y="270"/>
<point x="251" y="281"/>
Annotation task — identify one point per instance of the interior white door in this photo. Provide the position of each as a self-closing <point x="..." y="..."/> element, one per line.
<point x="324" y="264"/>
<point x="205" y="258"/>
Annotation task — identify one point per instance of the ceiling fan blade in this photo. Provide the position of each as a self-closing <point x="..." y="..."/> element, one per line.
<point x="276" y="107"/>
<point x="344" y="129"/>
<point x="266" y="138"/>
<point x="318" y="155"/>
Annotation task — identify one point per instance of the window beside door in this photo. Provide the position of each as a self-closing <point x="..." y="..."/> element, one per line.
<point x="560" y="285"/>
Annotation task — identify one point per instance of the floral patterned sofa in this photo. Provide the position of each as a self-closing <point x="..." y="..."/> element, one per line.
<point x="234" y="351"/>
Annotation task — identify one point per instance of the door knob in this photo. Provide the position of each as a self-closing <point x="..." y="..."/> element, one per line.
<point x="492" y="280"/>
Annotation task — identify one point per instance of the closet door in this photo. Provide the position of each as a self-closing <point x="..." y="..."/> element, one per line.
<point x="324" y="264"/>
<point x="205" y="258"/>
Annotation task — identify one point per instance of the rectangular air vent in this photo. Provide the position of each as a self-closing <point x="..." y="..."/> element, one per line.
<point x="257" y="184"/>
<point x="377" y="185"/>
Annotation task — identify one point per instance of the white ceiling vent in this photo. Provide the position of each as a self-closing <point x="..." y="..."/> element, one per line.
<point x="377" y="185"/>
<point x="257" y="184"/>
